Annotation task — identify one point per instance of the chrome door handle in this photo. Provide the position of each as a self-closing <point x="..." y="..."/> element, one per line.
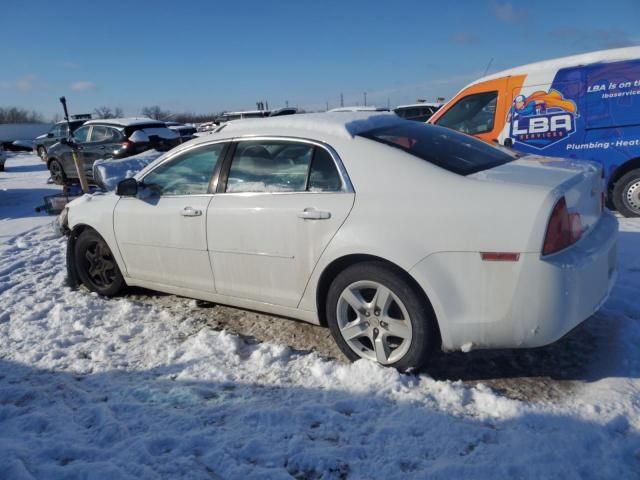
<point x="190" y="212"/>
<point x="313" y="214"/>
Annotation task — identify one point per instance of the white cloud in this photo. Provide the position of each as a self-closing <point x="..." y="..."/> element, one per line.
<point x="506" y="12"/>
<point x="69" y="64"/>
<point x="82" y="85"/>
<point x="24" y="84"/>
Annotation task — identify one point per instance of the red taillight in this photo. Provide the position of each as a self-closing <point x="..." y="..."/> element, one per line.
<point x="564" y="229"/>
<point x="126" y="144"/>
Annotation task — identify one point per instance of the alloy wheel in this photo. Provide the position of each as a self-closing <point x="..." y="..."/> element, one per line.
<point x="631" y="197"/>
<point x="374" y="322"/>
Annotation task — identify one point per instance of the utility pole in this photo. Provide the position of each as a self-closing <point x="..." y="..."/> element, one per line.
<point x="286" y="103"/>
<point x="327" y="109"/>
<point x="341" y="100"/>
<point x="365" y="99"/>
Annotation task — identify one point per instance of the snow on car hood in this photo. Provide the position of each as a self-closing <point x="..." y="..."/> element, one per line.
<point x="107" y="173"/>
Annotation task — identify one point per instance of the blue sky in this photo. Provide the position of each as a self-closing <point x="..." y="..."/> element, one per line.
<point x="205" y="56"/>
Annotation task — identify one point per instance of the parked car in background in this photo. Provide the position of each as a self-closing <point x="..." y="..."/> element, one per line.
<point x="419" y="112"/>
<point x="355" y="221"/>
<point x="229" y="116"/>
<point x="111" y="138"/>
<point x="585" y="107"/>
<point x="3" y="158"/>
<point x="186" y="132"/>
<point x="359" y="109"/>
<point x="58" y="132"/>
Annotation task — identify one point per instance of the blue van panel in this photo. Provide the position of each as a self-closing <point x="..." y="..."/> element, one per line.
<point x="589" y="112"/>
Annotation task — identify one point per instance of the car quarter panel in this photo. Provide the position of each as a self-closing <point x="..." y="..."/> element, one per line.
<point x="529" y="303"/>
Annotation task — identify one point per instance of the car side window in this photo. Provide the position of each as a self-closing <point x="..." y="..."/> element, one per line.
<point x="323" y="175"/>
<point x="81" y="135"/>
<point x="270" y="166"/>
<point x="98" y="134"/>
<point x="472" y="114"/>
<point x="188" y="173"/>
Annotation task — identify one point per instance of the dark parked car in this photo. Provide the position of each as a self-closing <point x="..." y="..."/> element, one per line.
<point x="112" y="138"/>
<point x="419" y="112"/>
<point x="185" y="131"/>
<point x="58" y="132"/>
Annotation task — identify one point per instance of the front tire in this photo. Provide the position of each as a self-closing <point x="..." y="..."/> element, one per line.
<point x="375" y="313"/>
<point x="96" y="266"/>
<point x="626" y="194"/>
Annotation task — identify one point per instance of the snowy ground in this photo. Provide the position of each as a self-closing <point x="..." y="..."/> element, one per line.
<point x="95" y="388"/>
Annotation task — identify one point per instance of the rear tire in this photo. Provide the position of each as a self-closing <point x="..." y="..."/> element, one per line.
<point x="626" y="194"/>
<point x="375" y="313"/>
<point x="96" y="266"/>
<point x="57" y="172"/>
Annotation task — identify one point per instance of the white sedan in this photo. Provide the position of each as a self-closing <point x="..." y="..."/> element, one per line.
<point x="401" y="237"/>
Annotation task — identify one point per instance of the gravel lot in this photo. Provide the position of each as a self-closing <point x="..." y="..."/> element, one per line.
<point x="543" y="374"/>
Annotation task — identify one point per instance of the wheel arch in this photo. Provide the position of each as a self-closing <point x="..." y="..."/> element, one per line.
<point x="620" y="171"/>
<point x="333" y="269"/>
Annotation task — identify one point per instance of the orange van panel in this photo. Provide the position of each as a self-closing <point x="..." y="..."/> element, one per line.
<point x="505" y="86"/>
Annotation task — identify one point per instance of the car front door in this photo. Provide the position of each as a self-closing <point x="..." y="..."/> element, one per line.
<point x="161" y="233"/>
<point x="279" y="204"/>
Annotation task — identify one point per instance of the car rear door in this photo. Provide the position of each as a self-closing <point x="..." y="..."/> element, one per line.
<point x="162" y="232"/>
<point x="279" y="203"/>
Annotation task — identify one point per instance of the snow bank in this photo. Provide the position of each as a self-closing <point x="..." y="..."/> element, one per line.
<point x="97" y="388"/>
<point x="108" y="172"/>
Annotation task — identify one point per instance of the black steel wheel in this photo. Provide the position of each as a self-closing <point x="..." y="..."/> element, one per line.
<point x="96" y="266"/>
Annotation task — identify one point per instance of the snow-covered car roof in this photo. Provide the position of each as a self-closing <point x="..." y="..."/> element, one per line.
<point x="342" y="124"/>
<point x="126" y="122"/>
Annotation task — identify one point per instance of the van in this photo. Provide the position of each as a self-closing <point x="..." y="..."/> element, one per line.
<point x="585" y="107"/>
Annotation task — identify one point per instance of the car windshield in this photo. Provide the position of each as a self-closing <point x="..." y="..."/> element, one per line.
<point x="448" y="149"/>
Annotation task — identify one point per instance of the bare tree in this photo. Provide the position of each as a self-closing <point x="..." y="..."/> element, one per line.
<point x="19" y="115"/>
<point x="106" y="112"/>
<point x="156" y="113"/>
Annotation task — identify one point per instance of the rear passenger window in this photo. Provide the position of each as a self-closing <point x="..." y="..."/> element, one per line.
<point x="269" y="166"/>
<point x="324" y="176"/>
<point x="280" y="166"/>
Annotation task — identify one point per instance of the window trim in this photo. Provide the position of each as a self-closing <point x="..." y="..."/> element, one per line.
<point x="347" y="186"/>
<point x="444" y="114"/>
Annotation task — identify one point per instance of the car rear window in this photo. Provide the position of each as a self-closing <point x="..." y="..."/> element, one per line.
<point x="446" y="148"/>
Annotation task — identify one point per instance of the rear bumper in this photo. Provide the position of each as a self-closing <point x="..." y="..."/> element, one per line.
<point x="529" y="303"/>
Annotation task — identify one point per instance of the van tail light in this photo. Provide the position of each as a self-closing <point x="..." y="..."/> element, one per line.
<point x="126" y="144"/>
<point x="564" y="229"/>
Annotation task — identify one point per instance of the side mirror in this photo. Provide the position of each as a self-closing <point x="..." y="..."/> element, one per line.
<point x="64" y="141"/>
<point x="49" y="135"/>
<point x="127" y="187"/>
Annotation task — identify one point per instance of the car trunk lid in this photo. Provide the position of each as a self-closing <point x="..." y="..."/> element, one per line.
<point x="580" y="182"/>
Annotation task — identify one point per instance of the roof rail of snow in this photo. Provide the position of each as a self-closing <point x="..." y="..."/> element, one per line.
<point x="601" y="56"/>
<point x="343" y="124"/>
<point x="124" y="122"/>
